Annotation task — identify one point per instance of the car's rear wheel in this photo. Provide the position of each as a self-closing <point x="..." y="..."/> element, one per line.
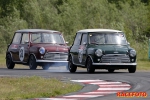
<point x="32" y="62"/>
<point x="132" y="69"/>
<point x="111" y="70"/>
<point x="90" y="67"/>
<point x="72" y="68"/>
<point x="9" y="63"/>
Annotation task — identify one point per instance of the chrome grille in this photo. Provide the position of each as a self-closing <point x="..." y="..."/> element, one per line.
<point x="56" y="56"/>
<point x="115" y="58"/>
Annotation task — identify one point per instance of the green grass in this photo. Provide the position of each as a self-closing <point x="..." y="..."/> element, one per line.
<point x="32" y="87"/>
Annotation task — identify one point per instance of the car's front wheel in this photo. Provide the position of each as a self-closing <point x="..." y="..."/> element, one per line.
<point x="32" y="62"/>
<point x="90" y="67"/>
<point x="72" y="68"/>
<point x="132" y="69"/>
<point x="9" y="63"/>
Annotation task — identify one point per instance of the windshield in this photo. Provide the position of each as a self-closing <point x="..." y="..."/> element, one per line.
<point x="107" y="38"/>
<point x="47" y="38"/>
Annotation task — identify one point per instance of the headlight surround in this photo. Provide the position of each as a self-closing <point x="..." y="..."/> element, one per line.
<point x="98" y="52"/>
<point x="42" y="50"/>
<point x="132" y="53"/>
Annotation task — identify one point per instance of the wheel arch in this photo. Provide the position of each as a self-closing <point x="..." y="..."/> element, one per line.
<point x="89" y="56"/>
<point x="30" y="56"/>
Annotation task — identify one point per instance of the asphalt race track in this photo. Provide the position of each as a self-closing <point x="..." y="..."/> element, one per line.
<point x="134" y="82"/>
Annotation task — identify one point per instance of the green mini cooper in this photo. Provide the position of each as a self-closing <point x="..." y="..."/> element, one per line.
<point x="101" y="49"/>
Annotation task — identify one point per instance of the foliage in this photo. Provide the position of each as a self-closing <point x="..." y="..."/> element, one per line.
<point x="69" y="16"/>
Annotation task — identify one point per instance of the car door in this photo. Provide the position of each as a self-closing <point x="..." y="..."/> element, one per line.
<point x="82" y="49"/>
<point x="75" y="48"/>
<point x="14" y="47"/>
<point x="24" y="48"/>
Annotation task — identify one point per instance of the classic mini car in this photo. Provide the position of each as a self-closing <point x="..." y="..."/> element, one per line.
<point x="36" y="47"/>
<point x="101" y="49"/>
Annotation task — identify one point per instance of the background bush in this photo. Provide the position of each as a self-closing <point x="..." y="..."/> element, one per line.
<point x="69" y="16"/>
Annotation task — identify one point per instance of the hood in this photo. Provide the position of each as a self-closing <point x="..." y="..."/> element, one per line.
<point x="53" y="47"/>
<point x="113" y="49"/>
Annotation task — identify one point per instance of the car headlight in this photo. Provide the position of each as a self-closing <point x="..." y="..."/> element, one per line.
<point x="98" y="52"/>
<point x="42" y="50"/>
<point x="132" y="53"/>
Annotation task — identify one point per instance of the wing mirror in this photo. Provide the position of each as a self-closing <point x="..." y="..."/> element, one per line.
<point x="67" y="42"/>
<point x="84" y="43"/>
<point x="26" y="41"/>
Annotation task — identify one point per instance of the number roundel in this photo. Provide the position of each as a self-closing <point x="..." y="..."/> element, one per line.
<point x="21" y="54"/>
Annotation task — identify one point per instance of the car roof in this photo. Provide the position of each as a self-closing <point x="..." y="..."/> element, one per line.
<point x="36" y="30"/>
<point x="99" y="30"/>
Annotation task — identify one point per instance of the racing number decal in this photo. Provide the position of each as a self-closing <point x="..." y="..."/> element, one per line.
<point x="21" y="53"/>
<point x="80" y="53"/>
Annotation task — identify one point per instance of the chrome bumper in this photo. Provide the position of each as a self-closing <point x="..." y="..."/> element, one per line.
<point x="50" y="61"/>
<point x="115" y="64"/>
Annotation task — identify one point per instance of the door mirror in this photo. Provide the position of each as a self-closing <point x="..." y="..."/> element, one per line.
<point x="84" y="43"/>
<point x="67" y="42"/>
<point x="26" y="41"/>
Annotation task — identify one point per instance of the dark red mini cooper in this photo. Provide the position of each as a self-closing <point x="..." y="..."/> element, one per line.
<point x="36" y="47"/>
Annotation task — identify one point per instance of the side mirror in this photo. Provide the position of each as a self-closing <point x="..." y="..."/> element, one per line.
<point x="67" y="42"/>
<point x="84" y="43"/>
<point x="128" y="43"/>
<point x="26" y="41"/>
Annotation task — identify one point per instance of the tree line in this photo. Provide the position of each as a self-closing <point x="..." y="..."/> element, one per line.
<point x="69" y="16"/>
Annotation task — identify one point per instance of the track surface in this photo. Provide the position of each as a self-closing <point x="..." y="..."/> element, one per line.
<point x="139" y="81"/>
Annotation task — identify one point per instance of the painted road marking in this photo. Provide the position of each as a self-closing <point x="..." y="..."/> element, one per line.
<point x="105" y="88"/>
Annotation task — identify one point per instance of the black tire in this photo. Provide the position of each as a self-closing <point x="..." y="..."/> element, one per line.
<point x="9" y="63"/>
<point x="132" y="69"/>
<point x="90" y="67"/>
<point x="111" y="70"/>
<point x="72" y="68"/>
<point x="32" y="62"/>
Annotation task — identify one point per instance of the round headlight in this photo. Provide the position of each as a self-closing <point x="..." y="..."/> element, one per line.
<point x="98" y="52"/>
<point x="132" y="53"/>
<point x="42" y="50"/>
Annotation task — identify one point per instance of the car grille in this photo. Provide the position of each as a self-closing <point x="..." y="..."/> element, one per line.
<point x="115" y="59"/>
<point x="56" y="56"/>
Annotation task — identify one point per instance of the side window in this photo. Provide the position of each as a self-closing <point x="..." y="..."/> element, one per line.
<point x="84" y="39"/>
<point x="25" y="37"/>
<point x="17" y="38"/>
<point x="77" y="39"/>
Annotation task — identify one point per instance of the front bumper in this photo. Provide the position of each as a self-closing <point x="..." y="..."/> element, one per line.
<point x="117" y="64"/>
<point x="51" y="61"/>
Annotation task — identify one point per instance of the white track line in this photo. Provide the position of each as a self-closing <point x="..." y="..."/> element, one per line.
<point x="54" y="99"/>
<point x="87" y="80"/>
<point x="114" y="85"/>
<point x="100" y="93"/>
<point x="114" y="88"/>
<point x="85" y="96"/>
<point x="98" y="83"/>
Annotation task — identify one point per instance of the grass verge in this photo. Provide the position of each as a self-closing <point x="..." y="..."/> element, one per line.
<point x="12" y="88"/>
